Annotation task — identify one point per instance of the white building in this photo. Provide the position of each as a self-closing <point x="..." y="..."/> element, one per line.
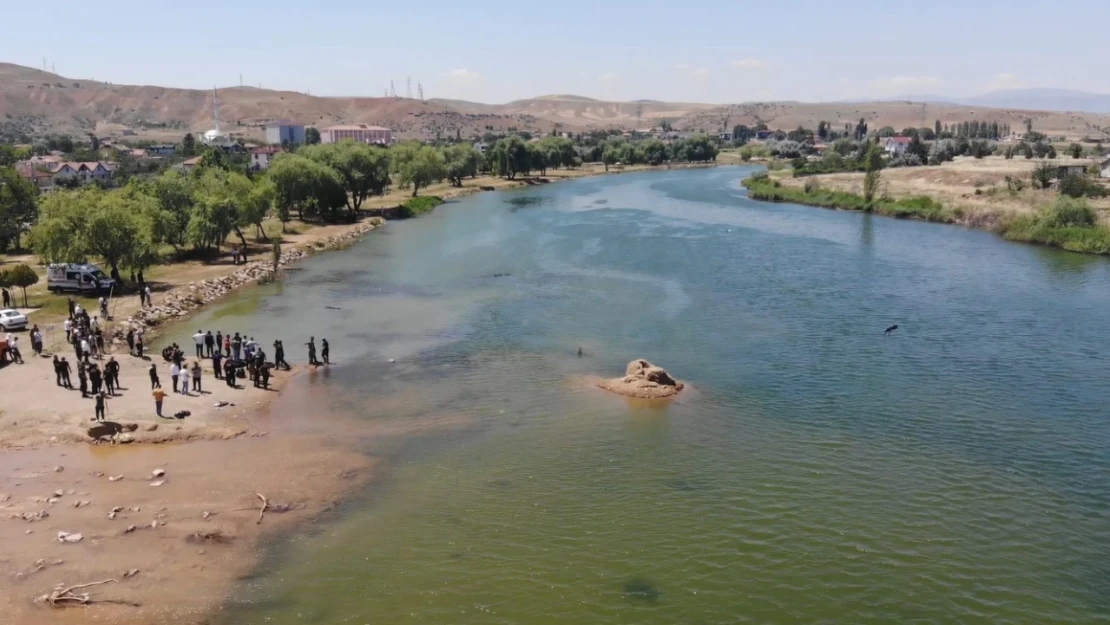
<point x="361" y="133"/>
<point x="284" y="133"/>
<point x="262" y="157"/>
<point x="214" y="137"/>
<point x="896" y="146"/>
<point x="481" y="146"/>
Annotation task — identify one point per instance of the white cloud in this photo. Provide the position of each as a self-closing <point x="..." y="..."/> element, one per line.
<point x="463" y="74"/>
<point x="607" y="77"/>
<point x="750" y="63"/>
<point x="1005" y="80"/>
<point x="701" y="72"/>
<point x="681" y="66"/>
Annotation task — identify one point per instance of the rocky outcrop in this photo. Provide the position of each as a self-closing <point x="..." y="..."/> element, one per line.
<point x="643" y="380"/>
<point x="184" y="300"/>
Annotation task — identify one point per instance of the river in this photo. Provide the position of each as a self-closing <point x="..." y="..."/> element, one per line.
<point x="956" y="471"/>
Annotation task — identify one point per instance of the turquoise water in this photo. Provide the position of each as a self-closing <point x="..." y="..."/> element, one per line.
<point x="816" y="472"/>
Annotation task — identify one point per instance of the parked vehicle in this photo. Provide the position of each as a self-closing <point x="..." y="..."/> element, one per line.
<point x="12" y="320"/>
<point x="79" y="278"/>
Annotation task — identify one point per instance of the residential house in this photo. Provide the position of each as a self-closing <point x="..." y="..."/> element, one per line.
<point x="897" y="145"/>
<point x="190" y="163"/>
<point x="284" y="133"/>
<point x="362" y="133"/>
<point x="724" y="136"/>
<point x="481" y="146"/>
<point x="261" y="157"/>
<point x="1104" y="167"/>
<point x="42" y="179"/>
<point x="1063" y="171"/>
<point x="763" y="135"/>
<point x="165" y="149"/>
<point x="139" y="154"/>
<point x="84" y="172"/>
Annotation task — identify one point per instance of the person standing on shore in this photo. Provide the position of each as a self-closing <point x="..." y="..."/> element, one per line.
<point x="57" y="370"/>
<point x="197" y="371"/>
<point x="312" y="351"/>
<point x="82" y="380"/>
<point x="183" y="376"/>
<point x="198" y="343"/>
<point x="153" y="371"/>
<point x="217" y="369"/>
<point x="131" y="341"/>
<point x="265" y="374"/>
<point x="139" y="343"/>
<point x="149" y="302"/>
<point x="36" y="340"/>
<point x="209" y="342"/>
<point x="227" y="346"/>
<point x="85" y="349"/>
<point x="229" y="373"/>
<point x="66" y="370"/>
<point x="67" y="325"/>
<point x="111" y="375"/>
<point x="325" y="351"/>
<point x="95" y="378"/>
<point x="101" y="413"/>
<point x="159" y="395"/>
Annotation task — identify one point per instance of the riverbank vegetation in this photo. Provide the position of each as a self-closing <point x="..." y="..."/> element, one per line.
<point x="1067" y="223"/>
<point x="416" y="206"/>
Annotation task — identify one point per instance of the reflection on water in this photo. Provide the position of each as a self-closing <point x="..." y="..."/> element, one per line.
<point x="815" y="472"/>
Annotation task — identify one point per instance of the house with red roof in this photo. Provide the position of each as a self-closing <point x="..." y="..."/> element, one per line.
<point x="896" y="145"/>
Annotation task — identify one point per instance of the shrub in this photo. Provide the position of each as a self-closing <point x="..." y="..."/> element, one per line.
<point x="1080" y="186"/>
<point x="419" y="205"/>
<point x="905" y="160"/>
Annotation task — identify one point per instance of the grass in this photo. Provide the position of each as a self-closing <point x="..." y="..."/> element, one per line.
<point x="1067" y="224"/>
<point x="416" y="206"/>
<point x="920" y="207"/>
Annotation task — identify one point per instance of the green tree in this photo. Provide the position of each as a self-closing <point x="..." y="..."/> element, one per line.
<point x="18" y="207"/>
<point x="362" y="168"/>
<point x="188" y="145"/>
<point x="461" y="161"/>
<point x="113" y="226"/>
<point x="174" y="195"/>
<point x="822" y="130"/>
<point x="610" y="156"/>
<point x="509" y="157"/>
<point x="22" y="276"/>
<point x="292" y="179"/>
<point x="1075" y="150"/>
<point x="936" y="128"/>
<point x="655" y="151"/>
<point x="418" y="165"/>
<point x="311" y="136"/>
<point x="872" y="165"/>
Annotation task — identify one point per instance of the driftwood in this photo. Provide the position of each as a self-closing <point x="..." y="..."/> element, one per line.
<point x="262" y="510"/>
<point x="65" y="597"/>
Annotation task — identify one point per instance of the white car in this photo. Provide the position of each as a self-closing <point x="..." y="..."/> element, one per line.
<point x="12" y="320"/>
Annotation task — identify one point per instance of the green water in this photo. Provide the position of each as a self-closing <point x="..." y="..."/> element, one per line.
<point x="816" y="472"/>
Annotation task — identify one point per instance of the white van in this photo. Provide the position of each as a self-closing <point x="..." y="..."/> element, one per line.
<point x="79" y="278"/>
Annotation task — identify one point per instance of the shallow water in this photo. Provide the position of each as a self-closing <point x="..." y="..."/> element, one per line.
<point x="955" y="472"/>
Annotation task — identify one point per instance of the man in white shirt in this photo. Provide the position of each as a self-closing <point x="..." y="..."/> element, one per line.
<point x="85" y="349"/>
<point x="174" y="370"/>
<point x="13" y="348"/>
<point x="198" y="338"/>
<point x="68" y="325"/>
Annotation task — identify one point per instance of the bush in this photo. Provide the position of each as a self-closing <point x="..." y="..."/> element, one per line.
<point x="905" y="160"/>
<point x="419" y="205"/>
<point x="1080" y="186"/>
<point x="1069" y="224"/>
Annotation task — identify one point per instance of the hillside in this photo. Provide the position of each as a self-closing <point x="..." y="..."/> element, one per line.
<point x="35" y="103"/>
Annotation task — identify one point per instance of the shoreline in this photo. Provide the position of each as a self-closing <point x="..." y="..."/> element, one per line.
<point x="1089" y="240"/>
<point x="192" y="534"/>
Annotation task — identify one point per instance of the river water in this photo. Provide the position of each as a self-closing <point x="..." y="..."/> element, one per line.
<point x="816" y="471"/>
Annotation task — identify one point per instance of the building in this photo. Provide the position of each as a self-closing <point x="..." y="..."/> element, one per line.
<point x="261" y="157"/>
<point x="284" y="133"/>
<point x="724" y="136"/>
<point x="1104" y="167"/>
<point x="1063" y="171"/>
<point x="191" y="163"/>
<point x="47" y="175"/>
<point x="763" y="135"/>
<point x="481" y="146"/>
<point x="356" y="132"/>
<point x="165" y="149"/>
<point x="896" y="146"/>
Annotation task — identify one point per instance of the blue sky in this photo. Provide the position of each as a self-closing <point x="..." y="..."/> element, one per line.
<point x="496" y="51"/>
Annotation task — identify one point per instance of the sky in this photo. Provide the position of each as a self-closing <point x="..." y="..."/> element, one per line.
<point x="718" y="51"/>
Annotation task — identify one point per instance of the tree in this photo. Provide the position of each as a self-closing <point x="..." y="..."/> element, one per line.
<point x="610" y="156"/>
<point x="822" y="130"/>
<point x="22" y="276"/>
<point x="861" y="130"/>
<point x="1075" y="150"/>
<point x="1028" y="124"/>
<point x="1043" y="175"/>
<point x="311" y="136"/>
<point x="418" y="165"/>
<point x="655" y="151"/>
<point x="509" y="156"/>
<point x="918" y="148"/>
<point x="188" y="145"/>
<point x="174" y="195"/>
<point x="537" y="158"/>
<point x="936" y="128"/>
<point x="362" y="168"/>
<point x="94" y="142"/>
<point x="461" y="161"/>
<point x="872" y="165"/>
<point x="18" y="207"/>
<point x="113" y="226"/>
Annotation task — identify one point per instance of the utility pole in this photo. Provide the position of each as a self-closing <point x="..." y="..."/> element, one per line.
<point x="408" y="87"/>
<point x="392" y="91"/>
<point x="420" y="90"/>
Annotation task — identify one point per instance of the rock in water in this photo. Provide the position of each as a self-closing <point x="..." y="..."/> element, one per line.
<point x="643" y="380"/>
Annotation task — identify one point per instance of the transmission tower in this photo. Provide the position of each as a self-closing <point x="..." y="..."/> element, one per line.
<point x="408" y="87"/>
<point x="420" y="91"/>
<point x="392" y="91"/>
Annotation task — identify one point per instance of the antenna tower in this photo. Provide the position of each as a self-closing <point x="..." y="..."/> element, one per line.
<point x="408" y="87"/>
<point x="392" y="91"/>
<point x="420" y="90"/>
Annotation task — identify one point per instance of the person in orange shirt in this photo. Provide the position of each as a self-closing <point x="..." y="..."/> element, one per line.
<point x="159" y="395"/>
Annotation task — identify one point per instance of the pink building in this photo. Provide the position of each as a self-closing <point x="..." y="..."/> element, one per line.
<point x="356" y="132"/>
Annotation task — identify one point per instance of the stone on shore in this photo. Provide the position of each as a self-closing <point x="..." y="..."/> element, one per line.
<point x="643" y="380"/>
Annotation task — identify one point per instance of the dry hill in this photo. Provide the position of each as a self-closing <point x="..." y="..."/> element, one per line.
<point x="34" y="102"/>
